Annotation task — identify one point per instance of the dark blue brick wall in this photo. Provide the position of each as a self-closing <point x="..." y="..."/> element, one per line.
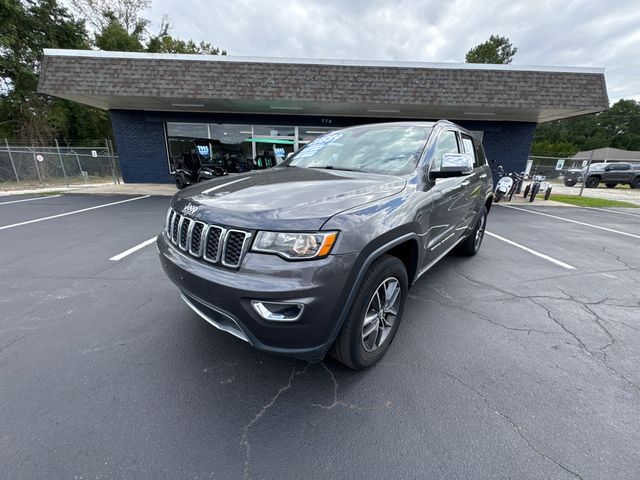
<point x="141" y="147"/>
<point x="505" y="143"/>
<point x="143" y="156"/>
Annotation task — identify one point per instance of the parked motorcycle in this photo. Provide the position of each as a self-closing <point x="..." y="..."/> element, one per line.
<point x="507" y="185"/>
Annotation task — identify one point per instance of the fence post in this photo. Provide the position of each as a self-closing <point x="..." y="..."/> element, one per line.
<point x="113" y="170"/>
<point x="6" y="142"/>
<point x="66" y="180"/>
<point x="586" y="173"/>
<point x="35" y="161"/>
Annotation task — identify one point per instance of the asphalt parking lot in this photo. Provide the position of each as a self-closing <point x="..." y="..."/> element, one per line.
<point x="512" y="364"/>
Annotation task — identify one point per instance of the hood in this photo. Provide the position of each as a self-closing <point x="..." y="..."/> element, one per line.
<point x="285" y="198"/>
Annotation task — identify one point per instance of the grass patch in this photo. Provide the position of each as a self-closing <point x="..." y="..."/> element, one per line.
<point x="589" y="201"/>
<point x="50" y="193"/>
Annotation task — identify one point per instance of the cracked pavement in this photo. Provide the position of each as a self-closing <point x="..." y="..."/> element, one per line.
<point x="505" y="365"/>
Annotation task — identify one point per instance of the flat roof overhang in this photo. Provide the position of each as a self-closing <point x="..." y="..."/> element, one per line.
<point x="408" y="90"/>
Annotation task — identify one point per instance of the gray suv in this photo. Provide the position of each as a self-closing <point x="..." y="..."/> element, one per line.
<point x="317" y="255"/>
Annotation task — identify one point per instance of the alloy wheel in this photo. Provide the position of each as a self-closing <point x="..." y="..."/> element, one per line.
<point x="381" y="314"/>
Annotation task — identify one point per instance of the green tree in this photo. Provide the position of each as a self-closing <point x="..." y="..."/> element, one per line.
<point x="165" y="43"/>
<point x="115" y="37"/>
<point x="26" y="28"/>
<point x="497" y="49"/>
<point x="618" y="127"/>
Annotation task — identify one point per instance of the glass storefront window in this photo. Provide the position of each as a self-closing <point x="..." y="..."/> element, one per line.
<point x="242" y="147"/>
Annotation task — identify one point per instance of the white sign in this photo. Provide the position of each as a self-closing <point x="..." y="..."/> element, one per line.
<point x="559" y="164"/>
<point x="94" y="153"/>
<point x="585" y="162"/>
<point x="40" y="158"/>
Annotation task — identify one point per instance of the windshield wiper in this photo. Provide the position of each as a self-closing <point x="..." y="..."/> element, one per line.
<point x="331" y="167"/>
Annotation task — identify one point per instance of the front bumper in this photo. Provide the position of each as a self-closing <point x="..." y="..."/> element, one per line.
<point x="223" y="297"/>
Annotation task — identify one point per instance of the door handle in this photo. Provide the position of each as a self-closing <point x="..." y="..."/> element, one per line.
<point x="484" y="175"/>
<point x="465" y="183"/>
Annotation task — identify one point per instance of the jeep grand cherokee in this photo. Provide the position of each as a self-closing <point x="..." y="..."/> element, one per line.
<point x="317" y="255"/>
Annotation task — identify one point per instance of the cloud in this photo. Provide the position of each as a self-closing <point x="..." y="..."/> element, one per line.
<point x="573" y="33"/>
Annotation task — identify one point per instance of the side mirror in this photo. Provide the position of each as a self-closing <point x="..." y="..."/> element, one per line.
<point x="454" y="165"/>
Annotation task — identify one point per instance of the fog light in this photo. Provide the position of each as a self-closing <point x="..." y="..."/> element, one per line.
<point x="278" y="311"/>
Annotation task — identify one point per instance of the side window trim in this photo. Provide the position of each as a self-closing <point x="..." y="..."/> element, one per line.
<point x="473" y="152"/>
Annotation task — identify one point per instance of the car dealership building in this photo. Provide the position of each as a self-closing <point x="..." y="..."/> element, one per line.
<point x="253" y="105"/>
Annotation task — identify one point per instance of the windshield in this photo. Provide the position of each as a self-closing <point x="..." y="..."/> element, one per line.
<point x="393" y="150"/>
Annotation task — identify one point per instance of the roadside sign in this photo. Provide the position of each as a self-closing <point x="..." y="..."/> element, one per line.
<point x="40" y="158"/>
<point x="94" y="153"/>
<point x="585" y="162"/>
<point x="559" y="164"/>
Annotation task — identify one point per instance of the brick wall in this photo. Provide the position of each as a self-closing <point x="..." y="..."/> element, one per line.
<point x="505" y="143"/>
<point x="141" y="147"/>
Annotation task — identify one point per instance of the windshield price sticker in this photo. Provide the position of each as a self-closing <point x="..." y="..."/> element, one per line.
<point x="319" y="143"/>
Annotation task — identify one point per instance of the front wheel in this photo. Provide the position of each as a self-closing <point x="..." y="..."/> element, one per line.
<point x="179" y="182"/>
<point x="569" y="183"/>
<point x="592" y="182"/>
<point x="635" y="183"/>
<point x="498" y="196"/>
<point x="547" y="194"/>
<point x="471" y="245"/>
<point x="526" y="191"/>
<point x="374" y="316"/>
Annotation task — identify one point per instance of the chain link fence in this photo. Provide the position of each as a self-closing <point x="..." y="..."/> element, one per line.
<point x="587" y="174"/>
<point x="51" y="163"/>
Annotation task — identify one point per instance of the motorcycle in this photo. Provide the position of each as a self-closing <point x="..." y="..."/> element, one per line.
<point x="507" y="185"/>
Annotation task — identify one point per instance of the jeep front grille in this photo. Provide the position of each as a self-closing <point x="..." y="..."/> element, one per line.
<point x="212" y="243"/>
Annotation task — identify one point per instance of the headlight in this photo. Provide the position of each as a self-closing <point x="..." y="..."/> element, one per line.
<point x="295" y="246"/>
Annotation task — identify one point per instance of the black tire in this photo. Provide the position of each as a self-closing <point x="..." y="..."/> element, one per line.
<point x="534" y="192"/>
<point x="179" y="182"/>
<point x="635" y="183"/>
<point x="526" y="191"/>
<point x="547" y="194"/>
<point x="498" y="196"/>
<point x="471" y="245"/>
<point x="511" y="192"/>
<point x="611" y="185"/>
<point x="349" y="347"/>
<point x="592" y="182"/>
<point x="568" y="183"/>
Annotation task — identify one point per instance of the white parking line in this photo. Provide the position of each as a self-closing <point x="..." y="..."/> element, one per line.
<point x="120" y="256"/>
<point x="72" y="213"/>
<point x="612" y="211"/>
<point x="573" y="221"/>
<point x="29" y="199"/>
<point x="531" y="251"/>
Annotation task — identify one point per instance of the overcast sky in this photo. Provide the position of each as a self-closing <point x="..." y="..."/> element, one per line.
<point x="571" y="33"/>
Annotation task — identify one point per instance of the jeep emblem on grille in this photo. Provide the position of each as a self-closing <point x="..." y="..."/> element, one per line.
<point x="190" y="208"/>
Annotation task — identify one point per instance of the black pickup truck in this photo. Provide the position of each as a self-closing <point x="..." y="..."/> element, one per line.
<point x="611" y="174"/>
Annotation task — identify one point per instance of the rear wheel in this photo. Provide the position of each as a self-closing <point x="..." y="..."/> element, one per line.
<point x="374" y="316"/>
<point x="179" y="182"/>
<point x="611" y="185"/>
<point x="592" y="182"/>
<point x="635" y="183"/>
<point x="569" y="183"/>
<point x="534" y="191"/>
<point x="526" y="191"/>
<point x="471" y="245"/>
<point x="547" y="194"/>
